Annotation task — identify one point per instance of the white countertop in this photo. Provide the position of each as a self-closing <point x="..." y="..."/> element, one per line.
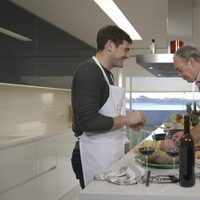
<point x="103" y="190"/>
<point x="33" y="134"/>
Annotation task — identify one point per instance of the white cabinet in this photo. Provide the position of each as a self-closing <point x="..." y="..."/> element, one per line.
<point x="65" y="176"/>
<point x="17" y="164"/>
<point x="40" y="188"/>
<point x="45" y="155"/>
<point x="38" y="170"/>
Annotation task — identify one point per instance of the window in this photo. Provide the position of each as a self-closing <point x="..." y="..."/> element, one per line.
<point x="159" y="106"/>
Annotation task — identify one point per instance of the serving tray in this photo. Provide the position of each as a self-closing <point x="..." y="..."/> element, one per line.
<point x="141" y="160"/>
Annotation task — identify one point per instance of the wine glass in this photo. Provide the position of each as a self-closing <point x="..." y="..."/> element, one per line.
<point x="146" y="148"/>
<point x="171" y="147"/>
<point x="121" y="111"/>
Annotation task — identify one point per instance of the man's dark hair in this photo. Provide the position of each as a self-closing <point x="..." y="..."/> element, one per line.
<point x="113" y="33"/>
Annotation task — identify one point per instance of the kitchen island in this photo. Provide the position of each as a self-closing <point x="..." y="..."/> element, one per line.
<point x="103" y="190"/>
<point x="37" y="166"/>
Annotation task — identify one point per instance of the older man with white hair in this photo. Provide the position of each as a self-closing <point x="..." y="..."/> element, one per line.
<point x="187" y="64"/>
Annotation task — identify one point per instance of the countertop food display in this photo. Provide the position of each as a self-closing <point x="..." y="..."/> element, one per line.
<point x="157" y="189"/>
<point x="159" y="157"/>
<point x="176" y="121"/>
<point x="197" y="155"/>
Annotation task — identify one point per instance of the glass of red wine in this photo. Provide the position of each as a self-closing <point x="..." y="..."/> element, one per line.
<point x="146" y="148"/>
<point x="171" y="147"/>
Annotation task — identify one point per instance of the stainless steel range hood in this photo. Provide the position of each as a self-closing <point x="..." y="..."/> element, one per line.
<point x="179" y="27"/>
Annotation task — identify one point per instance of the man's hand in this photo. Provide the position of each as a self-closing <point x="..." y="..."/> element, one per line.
<point x="176" y="137"/>
<point x="136" y="120"/>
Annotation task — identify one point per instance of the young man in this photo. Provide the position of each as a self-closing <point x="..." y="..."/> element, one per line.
<point x="97" y="104"/>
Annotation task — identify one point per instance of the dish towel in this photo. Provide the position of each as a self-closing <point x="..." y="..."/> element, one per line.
<point x="126" y="175"/>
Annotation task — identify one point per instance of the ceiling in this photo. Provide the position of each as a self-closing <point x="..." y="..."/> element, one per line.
<point x="83" y="18"/>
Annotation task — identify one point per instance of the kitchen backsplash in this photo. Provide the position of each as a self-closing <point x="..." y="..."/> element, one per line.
<point x="29" y="109"/>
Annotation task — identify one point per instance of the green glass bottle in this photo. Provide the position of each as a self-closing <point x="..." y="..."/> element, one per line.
<point x="194" y="115"/>
<point x="186" y="156"/>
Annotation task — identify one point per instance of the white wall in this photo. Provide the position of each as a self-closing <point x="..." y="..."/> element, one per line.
<point x="142" y="80"/>
<point x="140" y="84"/>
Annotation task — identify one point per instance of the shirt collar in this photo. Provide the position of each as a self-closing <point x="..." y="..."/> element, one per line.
<point x="198" y="77"/>
<point x="197" y="82"/>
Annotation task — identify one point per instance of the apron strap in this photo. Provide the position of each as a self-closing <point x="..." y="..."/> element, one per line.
<point x="104" y="74"/>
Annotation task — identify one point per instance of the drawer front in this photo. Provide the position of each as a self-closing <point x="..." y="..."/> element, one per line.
<point x="66" y="179"/>
<point x="38" y="188"/>
<point x="17" y="164"/>
<point x="45" y="155"/>
<point x="23" y="162"/>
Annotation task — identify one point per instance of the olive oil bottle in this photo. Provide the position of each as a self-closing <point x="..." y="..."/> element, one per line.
<point x="186" y="156"/>
<point x="194" y="115"/>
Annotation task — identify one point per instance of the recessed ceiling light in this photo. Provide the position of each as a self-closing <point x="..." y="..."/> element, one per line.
<point x="14" y="35"/>
<point x="111" y="9"/>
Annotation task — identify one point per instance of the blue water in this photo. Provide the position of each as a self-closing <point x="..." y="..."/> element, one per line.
<point x="157" y="109"/>
<point x="152" y="106"/>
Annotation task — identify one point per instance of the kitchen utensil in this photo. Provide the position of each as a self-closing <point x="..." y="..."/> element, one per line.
<point x="159" y="136"/>
<point x="164" y="179"/>
<point x="148" y="177"/>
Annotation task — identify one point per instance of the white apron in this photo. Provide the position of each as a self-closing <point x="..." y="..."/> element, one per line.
<point x="100" y="150"/>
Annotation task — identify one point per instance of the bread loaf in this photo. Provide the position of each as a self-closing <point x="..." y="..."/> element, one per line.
<point x="160" y="157"/>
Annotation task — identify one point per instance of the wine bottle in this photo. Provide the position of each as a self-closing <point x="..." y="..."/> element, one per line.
<point x="194" y="115"/>
<point x="186" y="156"/>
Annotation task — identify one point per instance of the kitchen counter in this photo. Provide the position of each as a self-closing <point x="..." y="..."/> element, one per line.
<point x="103" y="190"/>
<point x="33" y="134"/>
<point x="37" y="164"/>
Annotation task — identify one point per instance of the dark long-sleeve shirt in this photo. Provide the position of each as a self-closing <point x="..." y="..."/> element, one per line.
<point x="90" y="91"/>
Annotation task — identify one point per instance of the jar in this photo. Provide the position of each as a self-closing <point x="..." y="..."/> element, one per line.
<point x="175" y="45"/>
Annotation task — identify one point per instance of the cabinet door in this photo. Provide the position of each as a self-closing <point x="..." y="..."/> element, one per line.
<point x="23" y="162"/>
<point x="66" y="179"/>
<point x="39" y="188"/>
<point x="38" y="170"/>
<point x="17" y="165"/>
<point x="45" y="154"/>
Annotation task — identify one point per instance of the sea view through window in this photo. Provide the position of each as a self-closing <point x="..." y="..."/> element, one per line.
<point x="159" y="106"/>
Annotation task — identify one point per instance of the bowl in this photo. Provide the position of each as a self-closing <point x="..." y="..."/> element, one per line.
<point x="169" y="124"/>
<point x="159" y="136"/>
